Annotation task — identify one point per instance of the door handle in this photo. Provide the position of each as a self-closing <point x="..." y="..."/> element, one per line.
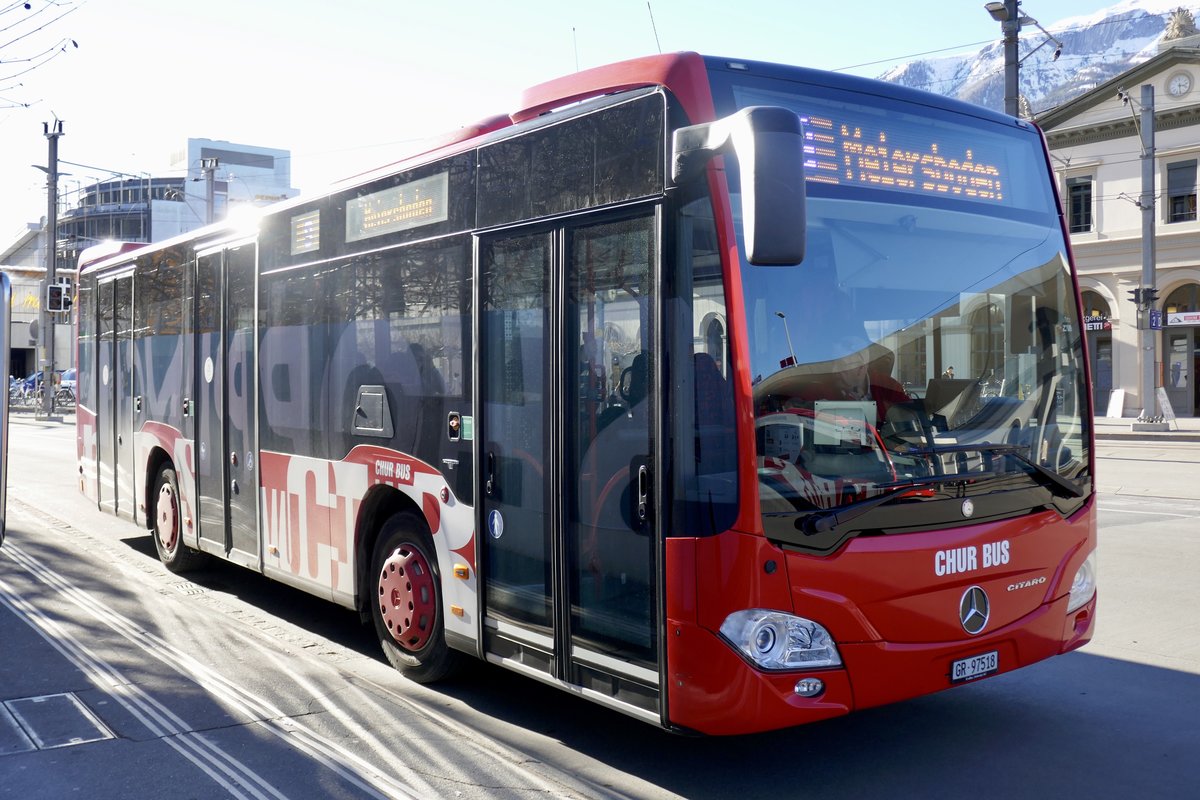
<point x="489" y="486"/>
<point x="643" y="493"/>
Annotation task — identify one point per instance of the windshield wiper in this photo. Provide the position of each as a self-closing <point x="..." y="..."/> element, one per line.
<point x="823" y="521"/>
<point x="1046" y="476"/>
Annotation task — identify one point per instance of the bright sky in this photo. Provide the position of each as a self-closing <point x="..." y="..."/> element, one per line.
<point x="347" y="85"/>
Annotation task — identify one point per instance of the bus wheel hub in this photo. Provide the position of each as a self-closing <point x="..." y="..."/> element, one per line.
<point x="406" y="597"/>
<point x="167" y="516"/>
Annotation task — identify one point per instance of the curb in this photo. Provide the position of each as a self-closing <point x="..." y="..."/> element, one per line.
<point x="1130" y="436"/>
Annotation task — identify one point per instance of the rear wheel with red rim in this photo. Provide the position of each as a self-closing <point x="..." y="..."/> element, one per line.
<point x="406" y="601"/>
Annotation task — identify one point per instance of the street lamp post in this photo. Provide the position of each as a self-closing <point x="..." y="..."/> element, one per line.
<point x="1010" y="25"/>
<point x="209" y="167"/>
<point x="1011" y="20"/>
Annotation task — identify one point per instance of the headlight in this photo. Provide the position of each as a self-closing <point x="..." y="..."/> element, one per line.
<point x="775" y="640"/>
<point x="1083" y="588"/>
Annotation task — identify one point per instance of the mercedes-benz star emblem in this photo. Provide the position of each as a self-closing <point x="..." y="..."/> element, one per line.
<point x="974" y="610"/>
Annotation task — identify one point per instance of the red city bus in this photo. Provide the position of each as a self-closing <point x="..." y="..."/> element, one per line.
<point x="641" y="390"/>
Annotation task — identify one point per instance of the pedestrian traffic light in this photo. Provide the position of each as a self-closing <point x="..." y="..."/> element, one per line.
<point x="57" y="298"/>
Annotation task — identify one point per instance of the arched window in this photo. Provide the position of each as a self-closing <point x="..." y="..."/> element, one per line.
<point x="1096" y="312"/>
<point x="1098" y="329"/>
<point x="714" y="342"/>
<point x="1185" y="298"/>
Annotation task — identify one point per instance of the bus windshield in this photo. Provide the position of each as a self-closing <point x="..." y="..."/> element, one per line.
<point x="929" y="347"/>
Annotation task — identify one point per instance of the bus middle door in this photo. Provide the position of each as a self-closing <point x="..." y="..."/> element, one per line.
<point x="224" y="398"/>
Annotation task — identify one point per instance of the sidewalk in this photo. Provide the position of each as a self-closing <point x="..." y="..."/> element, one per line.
<point x="1184" y="429"/>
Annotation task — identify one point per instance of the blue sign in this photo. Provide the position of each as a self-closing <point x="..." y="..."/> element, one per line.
<point x="495" y="523"/>
<point x="1155" y="319"/>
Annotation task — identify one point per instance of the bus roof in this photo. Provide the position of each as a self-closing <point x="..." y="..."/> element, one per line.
<point x="105" y="250"/>
<point x="686" y="73"/>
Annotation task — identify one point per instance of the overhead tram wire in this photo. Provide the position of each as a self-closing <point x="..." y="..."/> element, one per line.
<point x="911" y="56"/>
<point x="1058" y="33"/>
<point x="71" y="10"/>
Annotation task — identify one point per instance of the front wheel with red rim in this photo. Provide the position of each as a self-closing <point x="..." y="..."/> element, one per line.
<point x="406" y="601"/>
<point x="168" y="525"/>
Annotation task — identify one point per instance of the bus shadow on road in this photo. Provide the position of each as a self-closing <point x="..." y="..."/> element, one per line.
<point x="1079" y="725"/>
<point x="1076" y="725"/>
<point x="306" y="611"/>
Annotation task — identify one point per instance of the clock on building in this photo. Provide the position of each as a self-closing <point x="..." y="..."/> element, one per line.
<point x="1179" y="84"/>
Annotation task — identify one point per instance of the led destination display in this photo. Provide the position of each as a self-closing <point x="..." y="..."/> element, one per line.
<point x="845" y="152"/>
<point x="857" y="140"/>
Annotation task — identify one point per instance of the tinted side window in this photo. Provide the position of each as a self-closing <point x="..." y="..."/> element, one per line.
<point x="400" y="318"/>
<point x="704" y="433"/>
<point x="158" y="334"/>
<point x="86" y="303"/>
<point x="293" y="357"/>
<point x="608" y="156"/>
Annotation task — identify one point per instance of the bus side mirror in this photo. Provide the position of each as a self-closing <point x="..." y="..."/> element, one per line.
<point x="768" y="142"/>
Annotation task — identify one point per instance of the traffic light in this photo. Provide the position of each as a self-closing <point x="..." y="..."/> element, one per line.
<point x="1150" y="296"/>
<point x="57" y="297"/>
<point x="1135" y="296"/>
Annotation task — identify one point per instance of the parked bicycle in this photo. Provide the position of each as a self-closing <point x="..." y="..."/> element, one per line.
<point x="28" y="393"/>
<point x="64" y="397"/>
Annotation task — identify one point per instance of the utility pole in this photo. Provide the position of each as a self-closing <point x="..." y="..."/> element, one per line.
<point x="51" y="132"/>
<point x="1147" y="294"/>
<point x="209" y="167"/>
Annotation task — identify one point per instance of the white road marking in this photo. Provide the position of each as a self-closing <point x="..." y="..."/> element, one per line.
<point x="161" y="721"/>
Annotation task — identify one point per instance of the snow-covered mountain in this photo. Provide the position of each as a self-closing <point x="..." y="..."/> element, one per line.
<point x="1095" y="48"/>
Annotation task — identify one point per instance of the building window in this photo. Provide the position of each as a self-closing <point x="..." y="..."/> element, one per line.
<point x="987" y="342"/>
<point x="1181" y="191"/>
<point x="1079" y="203"/>
<point x="911" y="362"/>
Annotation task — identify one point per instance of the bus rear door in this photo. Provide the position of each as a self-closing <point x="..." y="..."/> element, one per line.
<point x="114" y="413"/>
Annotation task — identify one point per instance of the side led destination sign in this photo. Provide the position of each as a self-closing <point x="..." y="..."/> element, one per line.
<point x="410" y="205"/>
<point x="922" y="159"/>
<point x="306" y="232"/>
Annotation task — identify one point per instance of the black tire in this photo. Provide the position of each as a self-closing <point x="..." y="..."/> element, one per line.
<point x="404" y="590"/>
<point x="167" y="527"/>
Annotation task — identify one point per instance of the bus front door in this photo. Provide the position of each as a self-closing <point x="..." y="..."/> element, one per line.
<point x="223" y="342"/>
<point x="569" y="545"/>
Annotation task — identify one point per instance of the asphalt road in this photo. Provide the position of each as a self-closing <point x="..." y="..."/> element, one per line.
<point x="228" y="685"/>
